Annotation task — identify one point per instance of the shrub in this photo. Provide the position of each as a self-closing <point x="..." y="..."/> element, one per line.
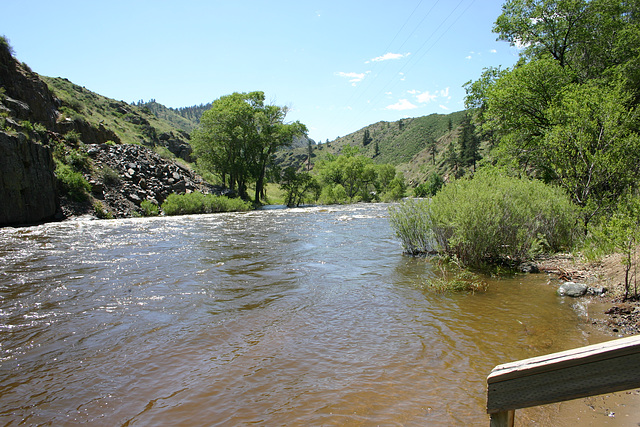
<point x="72" y="182"/>
<point x="493" y="218"/>
<point x="411" y="220"/>
<point x="429" y="188"/>
<point x="149" y="208"/>
<point x="198" y="203"/>
<point x="4" y="45"/>
<point x="109" y="176"/>
<point x="100" y="211"/>
<point x="78" y="160"/>
<point x="72" y="136"/>
<point x="395" y="191"/>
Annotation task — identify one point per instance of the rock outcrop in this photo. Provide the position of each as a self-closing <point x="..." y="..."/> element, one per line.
<point x="130" y="174"/>
<point x="27" y="181"/>
<point x="26" y="95"/>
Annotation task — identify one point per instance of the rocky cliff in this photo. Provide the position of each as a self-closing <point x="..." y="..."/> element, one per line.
<point x="27" y="181"/>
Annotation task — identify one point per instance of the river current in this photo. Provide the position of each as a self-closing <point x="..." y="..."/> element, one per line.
<point x="276" y="317"/>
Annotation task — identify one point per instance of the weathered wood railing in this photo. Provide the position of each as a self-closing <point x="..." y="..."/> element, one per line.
<point x="581" y="372"/>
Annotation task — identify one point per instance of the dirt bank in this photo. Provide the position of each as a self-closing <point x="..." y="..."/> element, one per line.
<point x="608" y="311"/>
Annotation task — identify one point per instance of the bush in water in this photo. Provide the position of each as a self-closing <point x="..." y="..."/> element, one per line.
<point x="490" y="218"/>
<point x="198" y="203"/>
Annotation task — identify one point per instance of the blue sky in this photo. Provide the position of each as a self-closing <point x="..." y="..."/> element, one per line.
<point x="339" y="65"/>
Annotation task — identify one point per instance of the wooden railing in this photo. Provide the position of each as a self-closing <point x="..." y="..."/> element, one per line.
<point x="581" y="372"/>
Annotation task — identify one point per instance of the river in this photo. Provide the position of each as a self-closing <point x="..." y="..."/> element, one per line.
<point x="276" y="317"/>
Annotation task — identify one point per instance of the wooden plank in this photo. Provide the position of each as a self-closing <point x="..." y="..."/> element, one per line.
<point x="586" y="371"/>
<point x="502" y="419"/>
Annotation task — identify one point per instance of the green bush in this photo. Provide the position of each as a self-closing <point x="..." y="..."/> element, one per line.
<point x="100" y="211"/>
<point x="411" y="221"/>
<point x="198" y="203"/>
<point x="78" y="160"/>
<point x="149" y="208"/>
<point x="110" y="176"/>
<point x="72" y="137"/>
<point x="491" y="218"/>
<point x="72" y="182"/>
<point x="429" y="188"/>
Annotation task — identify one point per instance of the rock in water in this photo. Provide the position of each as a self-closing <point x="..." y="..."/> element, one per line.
<point x="572" y="289"/>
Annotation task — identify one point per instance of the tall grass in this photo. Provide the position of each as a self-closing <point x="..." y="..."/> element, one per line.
<point x="198" y="203"/>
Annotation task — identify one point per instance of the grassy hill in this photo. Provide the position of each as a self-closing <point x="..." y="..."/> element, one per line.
<point x="404" y="144"/>
<point x="185" y="118"/>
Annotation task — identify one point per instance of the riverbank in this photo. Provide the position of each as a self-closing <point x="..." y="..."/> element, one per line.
<point x="607" y="311"/>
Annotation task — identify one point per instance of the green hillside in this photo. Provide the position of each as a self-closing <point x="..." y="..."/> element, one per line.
<point x="185" y="118"/>
<point x="129" y="124"/>
<point x="398" y="142"/>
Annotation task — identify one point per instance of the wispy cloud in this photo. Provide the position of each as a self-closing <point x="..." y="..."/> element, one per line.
<point x="354" y="78"/>
<point x="388" y="56"/>
<point x="403" y="104"/>
<point x="494" y="51"/>
<point x="444" y="107"/>
<point x="427" y="96"/>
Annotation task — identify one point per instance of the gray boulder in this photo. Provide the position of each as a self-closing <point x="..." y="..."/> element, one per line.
<point x="572" y="289"/>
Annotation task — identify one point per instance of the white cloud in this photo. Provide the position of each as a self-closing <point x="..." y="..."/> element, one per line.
<point x="402" y="104"/>
<point x="444" y="107"/>
<point x="388" y="93"/>
<point x="426" y="97"/>
<point x="467" y="57"/>
<point x="354" y="78"/>
<point x="389" y="56"/>
<point x="494" y="51"/>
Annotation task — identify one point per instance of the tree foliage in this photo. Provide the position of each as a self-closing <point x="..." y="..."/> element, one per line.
<point x="567" y="112"/>
<point x="358" y="177"/>
<point x="237" y="138"/>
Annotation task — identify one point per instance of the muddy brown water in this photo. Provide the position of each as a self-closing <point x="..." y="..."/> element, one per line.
<point x="276" y="317"/>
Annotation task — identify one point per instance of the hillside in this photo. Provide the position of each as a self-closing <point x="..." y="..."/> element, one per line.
<point x="405" y="144"/>
<point x="118" y="120"/>
<point x="185" y="118"/>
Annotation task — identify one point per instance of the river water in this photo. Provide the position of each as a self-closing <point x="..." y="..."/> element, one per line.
<point x="276" y="317"/>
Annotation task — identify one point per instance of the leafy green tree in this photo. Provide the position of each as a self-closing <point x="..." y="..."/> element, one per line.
<point x="298" y="186"/>
<point x="356" y="175"/>
<point x="429" y="188"/>
<point x="621" y="233"/>
<point x="237" y="137"/>
<point x="469" y="143"/>
<point x="452" y="158"/>
<point x="567" y="112"/>
<point x="432" y="148"/>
